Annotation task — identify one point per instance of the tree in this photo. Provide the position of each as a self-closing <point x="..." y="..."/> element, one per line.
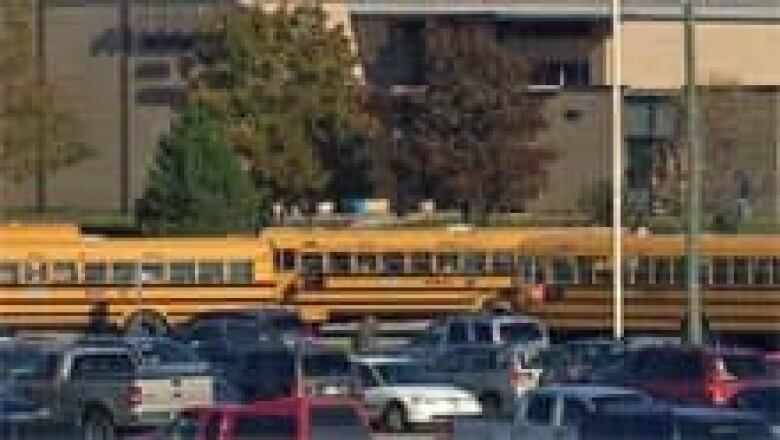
<point x="197" y="183"/>
<point x="36" y="133"/>
<point x="472" y="136"/>
<point x="286" y="85"/>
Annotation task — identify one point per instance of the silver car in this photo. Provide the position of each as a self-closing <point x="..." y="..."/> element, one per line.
<point x="555" y="412"/>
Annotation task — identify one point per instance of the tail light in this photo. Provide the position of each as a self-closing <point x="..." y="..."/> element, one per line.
<point x="134" y="395"/>
<point x="719" y="389"/>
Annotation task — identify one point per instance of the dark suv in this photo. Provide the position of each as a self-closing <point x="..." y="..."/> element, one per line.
<point x="279" y="371"/>
<point x="220" y="337"/>
<point x="689" y="375"/>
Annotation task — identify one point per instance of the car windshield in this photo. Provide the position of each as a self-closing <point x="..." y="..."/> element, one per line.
<point x="326" y="364"/>
<point x="24" y="364"/>
<point x="745" y="366"/>
<point x="403" y="373"/>
<point x="519" y="332"/>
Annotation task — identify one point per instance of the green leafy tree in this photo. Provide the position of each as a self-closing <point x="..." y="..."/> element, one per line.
<point x="285" y="83"/>
<point x="472" y="136"/>
<point x="36" y="133"/>
<point x="197" y="183"/>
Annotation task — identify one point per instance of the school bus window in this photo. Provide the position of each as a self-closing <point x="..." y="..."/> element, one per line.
<point x="762" y="271"/>
<point x="9" y="272"/>
<point x="722" y="270"/>
<point x="585" y="269"/>
<point x="125" y="273"/>
<point x="663" y="271"/>
<point x="475" y="263"/>
<point x="95" y="273"/>
<point x="287" y="259"/>
<point x="241" y="272"/>
<point x="563" y="272"/>
<point x="211" y="272"/>
<point x="641" y="271"/>
<point x="540" y="270"/>
<point x="339" y="263"/>
<point x="525" y="268"/>
<point x="152" y="272"/>
<point x="447" y="263"/>
<point x="741" y="271"/>
<point x="311" y="264"/>
<point x="35" y="272"/>
<point x="366" y="263"/>
<point x="393" y="264"/>
<point x="421" y="263"/>
<point x="503" y="262"/>
<point x="603" y="270"/>
<point x="182" y="272"/>
<point x="776" y="271"/>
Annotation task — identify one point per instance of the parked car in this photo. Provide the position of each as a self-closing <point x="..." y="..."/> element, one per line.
<point x="762" y="400"/>
<point x="21" y="417"/>
<point x="399" y="393"/>
<point x="99" y="388"/>
<point x="556" y="412"/>
<point x="500" y="329"/>
<point x="575" y="361"/>
<point x="293" y="418"/>
<point x="689" y="375"/>
<point x="304" y="369"/>
<point x="656" y="421"/>
<point x="220" y="337"/>
<point x="497" y="375"/>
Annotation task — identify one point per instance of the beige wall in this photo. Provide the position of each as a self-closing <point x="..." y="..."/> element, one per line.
<point x="745" y="53"/>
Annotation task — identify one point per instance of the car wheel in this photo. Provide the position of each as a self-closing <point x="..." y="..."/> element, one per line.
<point x="491" y="406"/>
<point x="394" y="418"/>
<point x="98" y="426"/>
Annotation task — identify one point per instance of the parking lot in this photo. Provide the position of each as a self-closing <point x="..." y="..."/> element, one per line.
<point x="243" y="373"/>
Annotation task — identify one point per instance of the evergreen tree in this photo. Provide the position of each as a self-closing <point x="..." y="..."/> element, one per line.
<point x="285" y="83"/>
<point x="197" y="183"/>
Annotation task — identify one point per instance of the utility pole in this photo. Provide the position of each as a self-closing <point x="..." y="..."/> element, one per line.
<point x="617" y="171"/>
<point x="124" y="105"/>
<point x="694" y="312"/>
<point x="40" y="153"/>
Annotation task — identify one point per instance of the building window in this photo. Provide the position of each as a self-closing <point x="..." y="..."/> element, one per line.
<point x="564" y="73"/>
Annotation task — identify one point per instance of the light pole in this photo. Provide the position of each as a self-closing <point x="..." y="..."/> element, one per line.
<point x="694" y="312"/>
<point x="617" y="171"/>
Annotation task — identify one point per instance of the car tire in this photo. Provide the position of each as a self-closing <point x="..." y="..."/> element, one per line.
<point x="491" y="406"/>
<point x="98" y="426"/>
<point x="394" y="418"/>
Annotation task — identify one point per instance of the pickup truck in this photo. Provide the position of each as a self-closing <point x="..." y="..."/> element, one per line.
<point x="99" y="390"/>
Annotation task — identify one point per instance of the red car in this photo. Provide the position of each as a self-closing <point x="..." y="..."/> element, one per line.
<point x="294" y="418"/>
<point x="692" y="375"/>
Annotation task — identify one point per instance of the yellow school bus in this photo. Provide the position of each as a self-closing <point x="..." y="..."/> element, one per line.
<point x="55" y="276"/>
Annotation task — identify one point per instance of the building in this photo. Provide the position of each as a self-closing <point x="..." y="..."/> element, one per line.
<point x="118" y="62"/>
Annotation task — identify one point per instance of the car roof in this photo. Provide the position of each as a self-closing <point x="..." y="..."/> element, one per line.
<point x="586" y="391"/>
<point x="698" y="412"/>
<point x="382" y="360"/>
